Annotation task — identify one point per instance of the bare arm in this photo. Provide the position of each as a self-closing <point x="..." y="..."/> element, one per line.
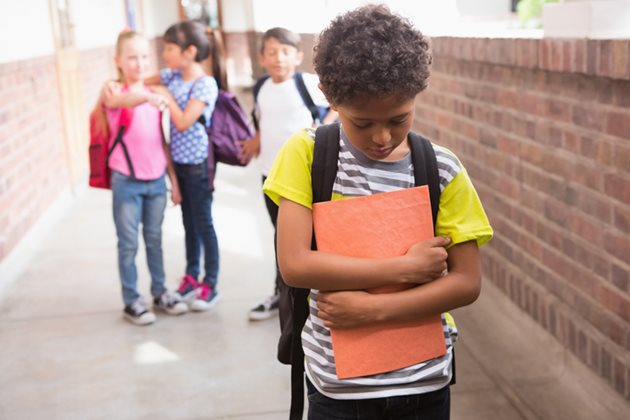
<point x="176" y="196"/>
<point x="302" y="267"/>
<point x="250" y="148"/>
<point x="113" y="97"/>
<point x="152" y="80"/>
<point x="460" y="287"/>
<point x="184" y="119"/>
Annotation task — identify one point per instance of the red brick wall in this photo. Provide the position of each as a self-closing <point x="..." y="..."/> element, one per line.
<point x="543" y="127"/>
<point x="34" y="170"/>
<point x="33" y="166"/>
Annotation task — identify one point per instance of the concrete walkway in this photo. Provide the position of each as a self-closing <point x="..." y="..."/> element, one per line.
<point x="66" y="353"/>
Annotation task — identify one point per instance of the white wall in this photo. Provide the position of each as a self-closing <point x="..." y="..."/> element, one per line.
<point x="432" y="17"/>
<point x="158" y="16"/>
<point x="238" y="16"/>
<point x="587" y="19"/>
<point x="98" y="22"/>
<point x="25" y="30"/>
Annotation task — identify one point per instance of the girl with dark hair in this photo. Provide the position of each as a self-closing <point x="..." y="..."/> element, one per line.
<point x="194" y="94"/>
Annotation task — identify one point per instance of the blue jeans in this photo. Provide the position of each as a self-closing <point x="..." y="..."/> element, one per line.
<point x="138" y="202"/>
<point x="197" y="217"/>
<point x="434" y="405"/>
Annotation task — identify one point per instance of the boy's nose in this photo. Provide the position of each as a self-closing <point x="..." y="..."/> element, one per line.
<point x="382" y="137"/>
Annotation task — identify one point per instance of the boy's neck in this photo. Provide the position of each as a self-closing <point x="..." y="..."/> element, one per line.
<point x="280" y="79"/>
<point x="192" y="72"/>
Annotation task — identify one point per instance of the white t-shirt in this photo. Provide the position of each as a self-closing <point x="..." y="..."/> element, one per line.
<point x="282" y="113"/>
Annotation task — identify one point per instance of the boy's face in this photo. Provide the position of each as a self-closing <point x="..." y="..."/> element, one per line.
<point x="378" y="127"/>
<point x="280" y="60"/>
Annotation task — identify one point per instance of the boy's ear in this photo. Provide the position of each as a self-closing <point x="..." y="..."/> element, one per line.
<point x="333" y="106"/>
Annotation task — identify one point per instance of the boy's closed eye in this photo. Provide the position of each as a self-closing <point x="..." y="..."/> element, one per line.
<point x="364" y="124"/>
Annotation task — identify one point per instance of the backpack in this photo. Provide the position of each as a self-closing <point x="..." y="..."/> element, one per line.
<point x="100" y="151"/>
<point x="317" y="112"/>
<point x="293" y="304"/>
<point x="230" y="124"/>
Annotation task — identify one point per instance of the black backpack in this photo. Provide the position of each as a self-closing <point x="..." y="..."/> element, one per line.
<point x="317" y="112"/>
<point x="294" y="307"/>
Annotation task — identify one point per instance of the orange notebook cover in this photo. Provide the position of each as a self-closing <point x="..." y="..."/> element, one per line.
<point x="379" y="226"/>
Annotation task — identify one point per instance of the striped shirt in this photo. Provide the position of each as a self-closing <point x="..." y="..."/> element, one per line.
<point x="357" y="175"/>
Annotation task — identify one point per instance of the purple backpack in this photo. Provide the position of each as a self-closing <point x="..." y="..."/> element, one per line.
<point x="229" y="125"/>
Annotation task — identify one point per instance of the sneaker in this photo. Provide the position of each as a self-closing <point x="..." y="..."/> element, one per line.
<point x="207" y="298"/>
<point x="170" y="303"/>
<point x="265" y="310"/>
<point x="187" y="289"/>
<point x="138" y="313"/>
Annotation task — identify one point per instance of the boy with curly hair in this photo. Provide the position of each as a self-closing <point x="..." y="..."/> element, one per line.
<point x="372" y="64"/>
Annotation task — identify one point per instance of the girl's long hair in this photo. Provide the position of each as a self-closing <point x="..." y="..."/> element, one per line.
<point x="98" y="118"/>
<point x="215" y="65"/>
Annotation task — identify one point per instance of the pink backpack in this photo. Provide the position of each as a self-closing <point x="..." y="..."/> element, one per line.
<point x="100" y="151"/>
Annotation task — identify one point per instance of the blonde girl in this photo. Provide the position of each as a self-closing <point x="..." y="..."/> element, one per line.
<point x="138" y="177"/>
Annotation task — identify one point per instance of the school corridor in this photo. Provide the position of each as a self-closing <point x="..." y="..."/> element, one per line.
<point x="67" y="353"/>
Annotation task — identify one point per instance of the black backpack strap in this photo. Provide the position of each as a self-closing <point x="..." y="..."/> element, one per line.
<point x="119" y="140"/>
<point x="306" y="96"/>
<point x="255" y="91"/>
<point x="325" y="158"/>
<point x="323" y="174"/>
<point x="423" y="156"/>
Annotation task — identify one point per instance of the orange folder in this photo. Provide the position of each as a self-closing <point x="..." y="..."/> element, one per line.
<point x="379" y="226"/>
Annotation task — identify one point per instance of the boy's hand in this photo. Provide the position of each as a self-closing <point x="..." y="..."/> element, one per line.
<point x="346" y="309"/>
<point x="427" y="260"/>
<point x="249" y="148"/>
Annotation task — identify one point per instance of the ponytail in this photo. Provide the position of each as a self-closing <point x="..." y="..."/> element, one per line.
<point x="216" y="62"/>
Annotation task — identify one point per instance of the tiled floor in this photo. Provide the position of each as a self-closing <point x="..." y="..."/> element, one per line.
<point x="66" y="353"/>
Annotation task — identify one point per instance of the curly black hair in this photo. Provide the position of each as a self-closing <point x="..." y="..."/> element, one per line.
<point x="371" y="52"/>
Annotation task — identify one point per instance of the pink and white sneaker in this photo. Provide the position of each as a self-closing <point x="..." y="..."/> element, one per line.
<point x="187" y="289"/>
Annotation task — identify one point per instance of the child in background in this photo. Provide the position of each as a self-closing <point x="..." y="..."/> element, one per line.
<point x="281" y="113"/>
<point x="372" y="64"/>
<point x="194" y="93"/>
<point x="139" y="191"/>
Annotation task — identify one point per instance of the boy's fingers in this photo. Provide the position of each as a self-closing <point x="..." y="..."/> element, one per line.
<point x="439" y="241"/>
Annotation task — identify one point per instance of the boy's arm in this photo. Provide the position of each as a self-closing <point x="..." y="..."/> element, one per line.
<point x="302" y="267"/>
<point x="250" y="148"/>
<point x="460" y="287"/>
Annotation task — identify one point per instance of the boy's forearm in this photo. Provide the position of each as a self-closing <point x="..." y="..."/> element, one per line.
<point x="460" y="287"/>
<point x="325" y="271"/>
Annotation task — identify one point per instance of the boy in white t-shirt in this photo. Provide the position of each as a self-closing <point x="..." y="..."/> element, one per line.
<point x="281" y="112"/>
